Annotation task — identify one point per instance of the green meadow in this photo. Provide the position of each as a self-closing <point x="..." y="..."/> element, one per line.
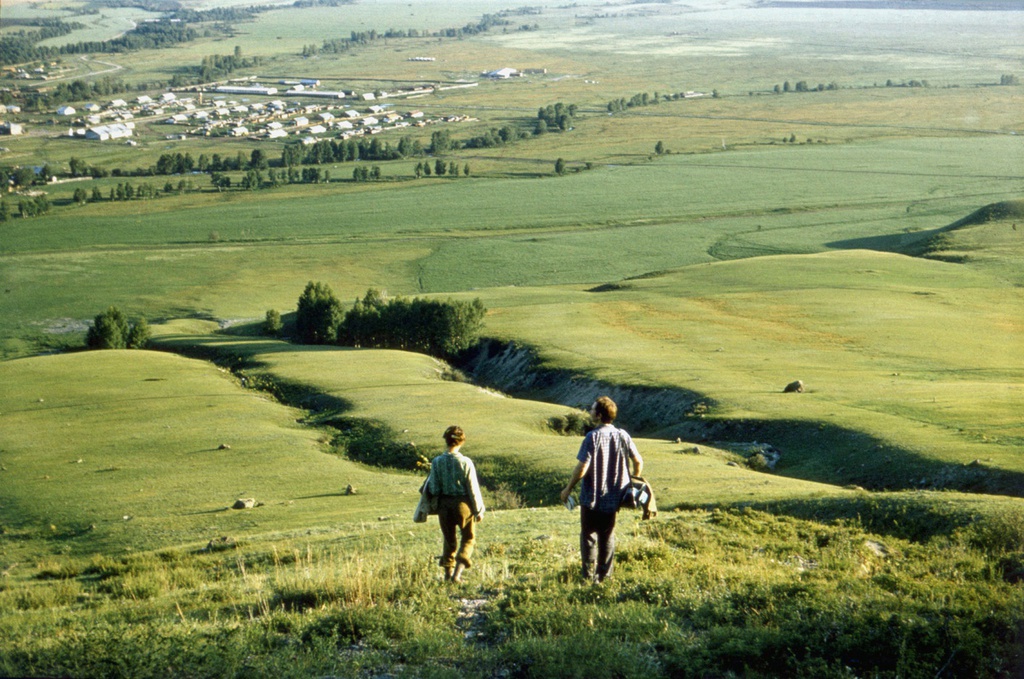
<point x="866" y="239"/>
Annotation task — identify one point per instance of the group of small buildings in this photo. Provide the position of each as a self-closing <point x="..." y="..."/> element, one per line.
<point x="8" y="127"/>
<point x="116" y="118"/>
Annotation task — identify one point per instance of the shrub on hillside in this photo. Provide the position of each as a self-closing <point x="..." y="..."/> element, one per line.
<point x="376" y="443"/>
<point x="111" y="330"/>
<point x="573" y="423"/>
<point x="272" y="324"/>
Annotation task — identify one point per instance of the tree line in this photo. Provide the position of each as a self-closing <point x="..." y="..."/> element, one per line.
<point x="148" y="35"/>
<point x="437" y="328"/>
<point x="341" y="45"/>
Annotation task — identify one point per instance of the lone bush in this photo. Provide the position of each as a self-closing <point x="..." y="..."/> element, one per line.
<point x="111" y="330"/>
<point x="573" y="423"/>
<point x="272" y="323"/>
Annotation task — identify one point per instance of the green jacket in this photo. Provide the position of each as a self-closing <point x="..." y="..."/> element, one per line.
<point x="453" y="474"/>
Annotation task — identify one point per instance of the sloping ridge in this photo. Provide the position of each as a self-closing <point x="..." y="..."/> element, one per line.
<point x="923" y="243"/>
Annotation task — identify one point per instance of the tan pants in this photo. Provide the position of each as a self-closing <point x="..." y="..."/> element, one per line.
<point x="458" y="530"/>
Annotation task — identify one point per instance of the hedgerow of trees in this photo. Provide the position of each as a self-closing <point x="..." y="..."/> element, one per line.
<point x="438" y="328"/>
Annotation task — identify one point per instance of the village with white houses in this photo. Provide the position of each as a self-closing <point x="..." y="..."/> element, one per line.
<point x="252" y="109"/>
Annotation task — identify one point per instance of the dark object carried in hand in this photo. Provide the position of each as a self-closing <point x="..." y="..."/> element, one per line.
<point x="639" y="495"/>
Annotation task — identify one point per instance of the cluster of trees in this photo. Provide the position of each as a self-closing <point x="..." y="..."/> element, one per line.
<point x="555" y="117"/>
<point x="440" y="169"/>
<point x="184" y="163"/>
<point x="328" y="151"/>
<point x="111" y="330"/>
<point x="299" y="4"/>
<point x="433" y="327"/>
<point x="67" y="91"/>
<point x="174" y="163"/>
<point x="216" y="66"/>
<point x="366" y="174"/>
<point x="126" y="191"/>
<point x="640" y="99"/>
<point x="341" y="45"/>
<point x="802" y="86"/>
<point x="22" y="177"/>
<point x="28" y="207"/>
<point x="19" y="47"/>
<point x="908" y="83"/>
<point x="495" y="137"/>
<point x="486" y="23"/>
<point x="229" y="15"/>
<point x="79" y="168"/>
<point x="645" y="99"/>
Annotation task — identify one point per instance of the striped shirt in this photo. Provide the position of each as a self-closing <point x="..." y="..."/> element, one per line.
<point x="607" y="451"/>
<point x="454" y="475"/>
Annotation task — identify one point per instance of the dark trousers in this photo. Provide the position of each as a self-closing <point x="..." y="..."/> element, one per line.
<point x="597" y="542"/>
<point x="458" y="530"/>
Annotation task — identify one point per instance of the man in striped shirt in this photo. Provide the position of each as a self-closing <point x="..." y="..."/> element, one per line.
<point x="602" y="466"/>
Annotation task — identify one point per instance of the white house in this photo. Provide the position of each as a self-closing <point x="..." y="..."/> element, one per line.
<point x="502" y="73"/>
<point x="112" y="131"/>
<point x="370" y="120"/>
<point x="326" y="117"/>
<point x="276" y="134"/>
<point x="168" y="97"/>
<point x="66" y="111"/>
<point x="239" y="131"/>
<point x="301" y="121"/>
<point x="144" y="99"/>
<point x="92" y="108"/>
<point x="317" y="129"/>
<point x="11" y="128"/>
<point x="117" y="103"/>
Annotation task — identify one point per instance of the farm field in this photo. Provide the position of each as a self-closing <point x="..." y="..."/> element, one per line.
<point x="838" y="199"/>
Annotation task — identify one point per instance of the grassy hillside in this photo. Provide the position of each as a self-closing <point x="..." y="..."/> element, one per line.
<point x="113" y="451"/>
<point x="318" y="582"/>
<point x="843" y="207"/>
<point x="872" y="336"/>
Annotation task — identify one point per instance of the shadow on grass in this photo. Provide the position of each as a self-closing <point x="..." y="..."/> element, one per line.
<point x="827" y="453"/>
<point x="921" y="243"/>
<point x="516" y="370"/>
<point x="812" y="451"/>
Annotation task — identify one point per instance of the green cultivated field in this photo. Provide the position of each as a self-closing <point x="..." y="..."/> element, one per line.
<point x="867" y="240"/>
